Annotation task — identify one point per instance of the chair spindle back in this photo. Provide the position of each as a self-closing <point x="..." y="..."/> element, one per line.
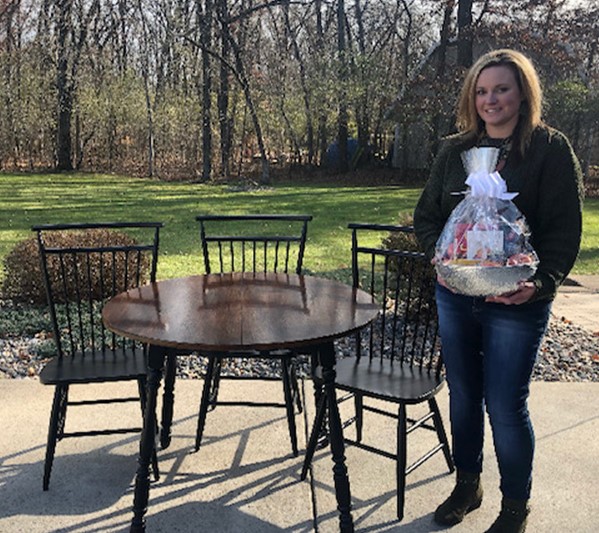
<point x="253" y="243"/>
<point x="406" y="331"/>
<point x="83" y="266"/>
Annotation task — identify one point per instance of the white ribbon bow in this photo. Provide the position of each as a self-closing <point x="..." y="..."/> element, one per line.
<point x="482" y="180"/>
<point x="492" y="185"/>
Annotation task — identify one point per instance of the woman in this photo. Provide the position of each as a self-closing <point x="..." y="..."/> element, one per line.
<point x="490" y="344"/>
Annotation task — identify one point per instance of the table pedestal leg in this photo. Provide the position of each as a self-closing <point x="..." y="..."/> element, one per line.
<point x="148" y="440"/>
<point x="168" y="400"/>
<point x="322" y="438"/>
<point x="342" y="490"/>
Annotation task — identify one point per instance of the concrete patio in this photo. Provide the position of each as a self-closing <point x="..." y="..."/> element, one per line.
<point x="244" y="479"/>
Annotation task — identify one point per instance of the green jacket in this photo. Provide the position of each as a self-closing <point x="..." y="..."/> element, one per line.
<point x="549" y="182"/>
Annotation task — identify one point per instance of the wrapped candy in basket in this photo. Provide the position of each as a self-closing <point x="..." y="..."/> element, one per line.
<point x="484" y="248"/>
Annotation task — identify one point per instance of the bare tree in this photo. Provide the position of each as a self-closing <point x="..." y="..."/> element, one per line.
<point x="319" y="49"/>
<point x="306" y="95"/>
<point x="465" y="33"/>
<point x="440" y="71"/>
<point x="145" y="71"/>
<point x="71" y="24"/>
<point x="131" y="87"/>
<point x="206" y="17"/>
<point x="10" y="41"/>
<point x="342" y="131"/>
<point x="224" y="121"/>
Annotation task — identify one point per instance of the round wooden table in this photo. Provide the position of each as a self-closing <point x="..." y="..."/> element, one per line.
<point x="233" y="312"/>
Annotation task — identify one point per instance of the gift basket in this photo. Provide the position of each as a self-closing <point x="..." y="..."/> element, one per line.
<point x="484" y="247"/>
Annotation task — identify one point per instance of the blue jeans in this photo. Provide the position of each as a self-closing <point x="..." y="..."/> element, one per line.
<point x="489" y="352"/>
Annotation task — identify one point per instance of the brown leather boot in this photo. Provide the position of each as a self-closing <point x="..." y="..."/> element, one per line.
<point x="512" y="518"/>
<point x="466" y="496"/>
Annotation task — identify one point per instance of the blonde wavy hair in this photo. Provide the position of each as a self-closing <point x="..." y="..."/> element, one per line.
<point x="469" y="123"/>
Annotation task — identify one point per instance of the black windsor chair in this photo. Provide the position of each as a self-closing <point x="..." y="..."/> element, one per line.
<point x="397" y="359"/>
<point x="84" y="265"/>
<point x="252" y="243"/>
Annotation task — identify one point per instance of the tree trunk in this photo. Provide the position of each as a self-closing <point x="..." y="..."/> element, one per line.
<point x="222" y="99"/>
<point x="440" y="76"/>
<point x="69" y="45"/>
<point x="123" y="51"/>
<point x="303" y="84"/>
<point x="362" y="114"/>
<point x="245" y="86"/>
<point x="12" y="79"/>
<point x="444" y="39"/>
<point x="63" y="88"/>
<point x="206" y="40"/>
<point x="322" y="116"/>
<point x="465" y="33"/>
<point x="342" y="131"/>
<point x="78" y="143"/>
<point x="146" y="79"/>
<point x="399" y="157"/>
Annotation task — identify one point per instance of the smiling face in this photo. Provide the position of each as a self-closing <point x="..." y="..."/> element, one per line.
<point x="498" y="99"/>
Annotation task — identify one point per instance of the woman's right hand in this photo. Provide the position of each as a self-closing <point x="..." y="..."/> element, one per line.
<point x="440" y="280"/>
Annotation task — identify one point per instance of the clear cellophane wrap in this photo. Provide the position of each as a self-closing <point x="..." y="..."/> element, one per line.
<point x="484" y="248"/>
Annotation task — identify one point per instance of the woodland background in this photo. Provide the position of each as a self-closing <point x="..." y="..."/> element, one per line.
<point x="206" y="90"/>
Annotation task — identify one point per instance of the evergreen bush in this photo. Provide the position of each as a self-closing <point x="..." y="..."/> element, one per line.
<point x="24" y="280"/>
<point x="407" y="241"/>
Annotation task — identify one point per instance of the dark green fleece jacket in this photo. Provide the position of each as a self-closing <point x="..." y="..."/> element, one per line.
<point x="549" y="182"/>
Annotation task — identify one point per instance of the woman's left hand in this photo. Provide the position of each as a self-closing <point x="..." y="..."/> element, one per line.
<point x="525" y="291"/>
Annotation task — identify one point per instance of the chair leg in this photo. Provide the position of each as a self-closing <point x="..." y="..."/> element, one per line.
<point x="55" y="429"/>
<point x="442" y="436"/>
<point x="205" y="400"/>
<point x="289" y="407"/>
<point x="62" y="418"/>
<point x="168" y="400"/>
<point x="155" y="468"/>
<point x="359" y="407"/>
<point x="215" y="383"/>
<point x="321" y="409"/>
<point x="295" y="389"/>
<point x="143" y="398"/>
<point x="402" y="433"/>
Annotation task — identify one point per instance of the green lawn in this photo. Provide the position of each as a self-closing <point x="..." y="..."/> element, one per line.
<point x="27" y="199"/>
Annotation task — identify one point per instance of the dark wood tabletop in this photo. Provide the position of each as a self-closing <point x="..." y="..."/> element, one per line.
<point x="239" y="311"/>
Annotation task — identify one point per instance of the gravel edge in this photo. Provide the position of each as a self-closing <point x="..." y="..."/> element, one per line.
<point x="568" y="353"/>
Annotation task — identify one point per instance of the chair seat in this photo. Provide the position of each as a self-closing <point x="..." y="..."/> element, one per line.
<point x="394" y="382"/>
<point x="111" y="366"/>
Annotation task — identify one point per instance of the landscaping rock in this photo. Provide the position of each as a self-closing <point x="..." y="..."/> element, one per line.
<point x="568" y="353"/>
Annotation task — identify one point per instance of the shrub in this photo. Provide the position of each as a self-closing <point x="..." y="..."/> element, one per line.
<point x="18" y="319"/>
<point x="24" y="280"/>
<point x="403" y="240"/>
<point x="407" y="241"/>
